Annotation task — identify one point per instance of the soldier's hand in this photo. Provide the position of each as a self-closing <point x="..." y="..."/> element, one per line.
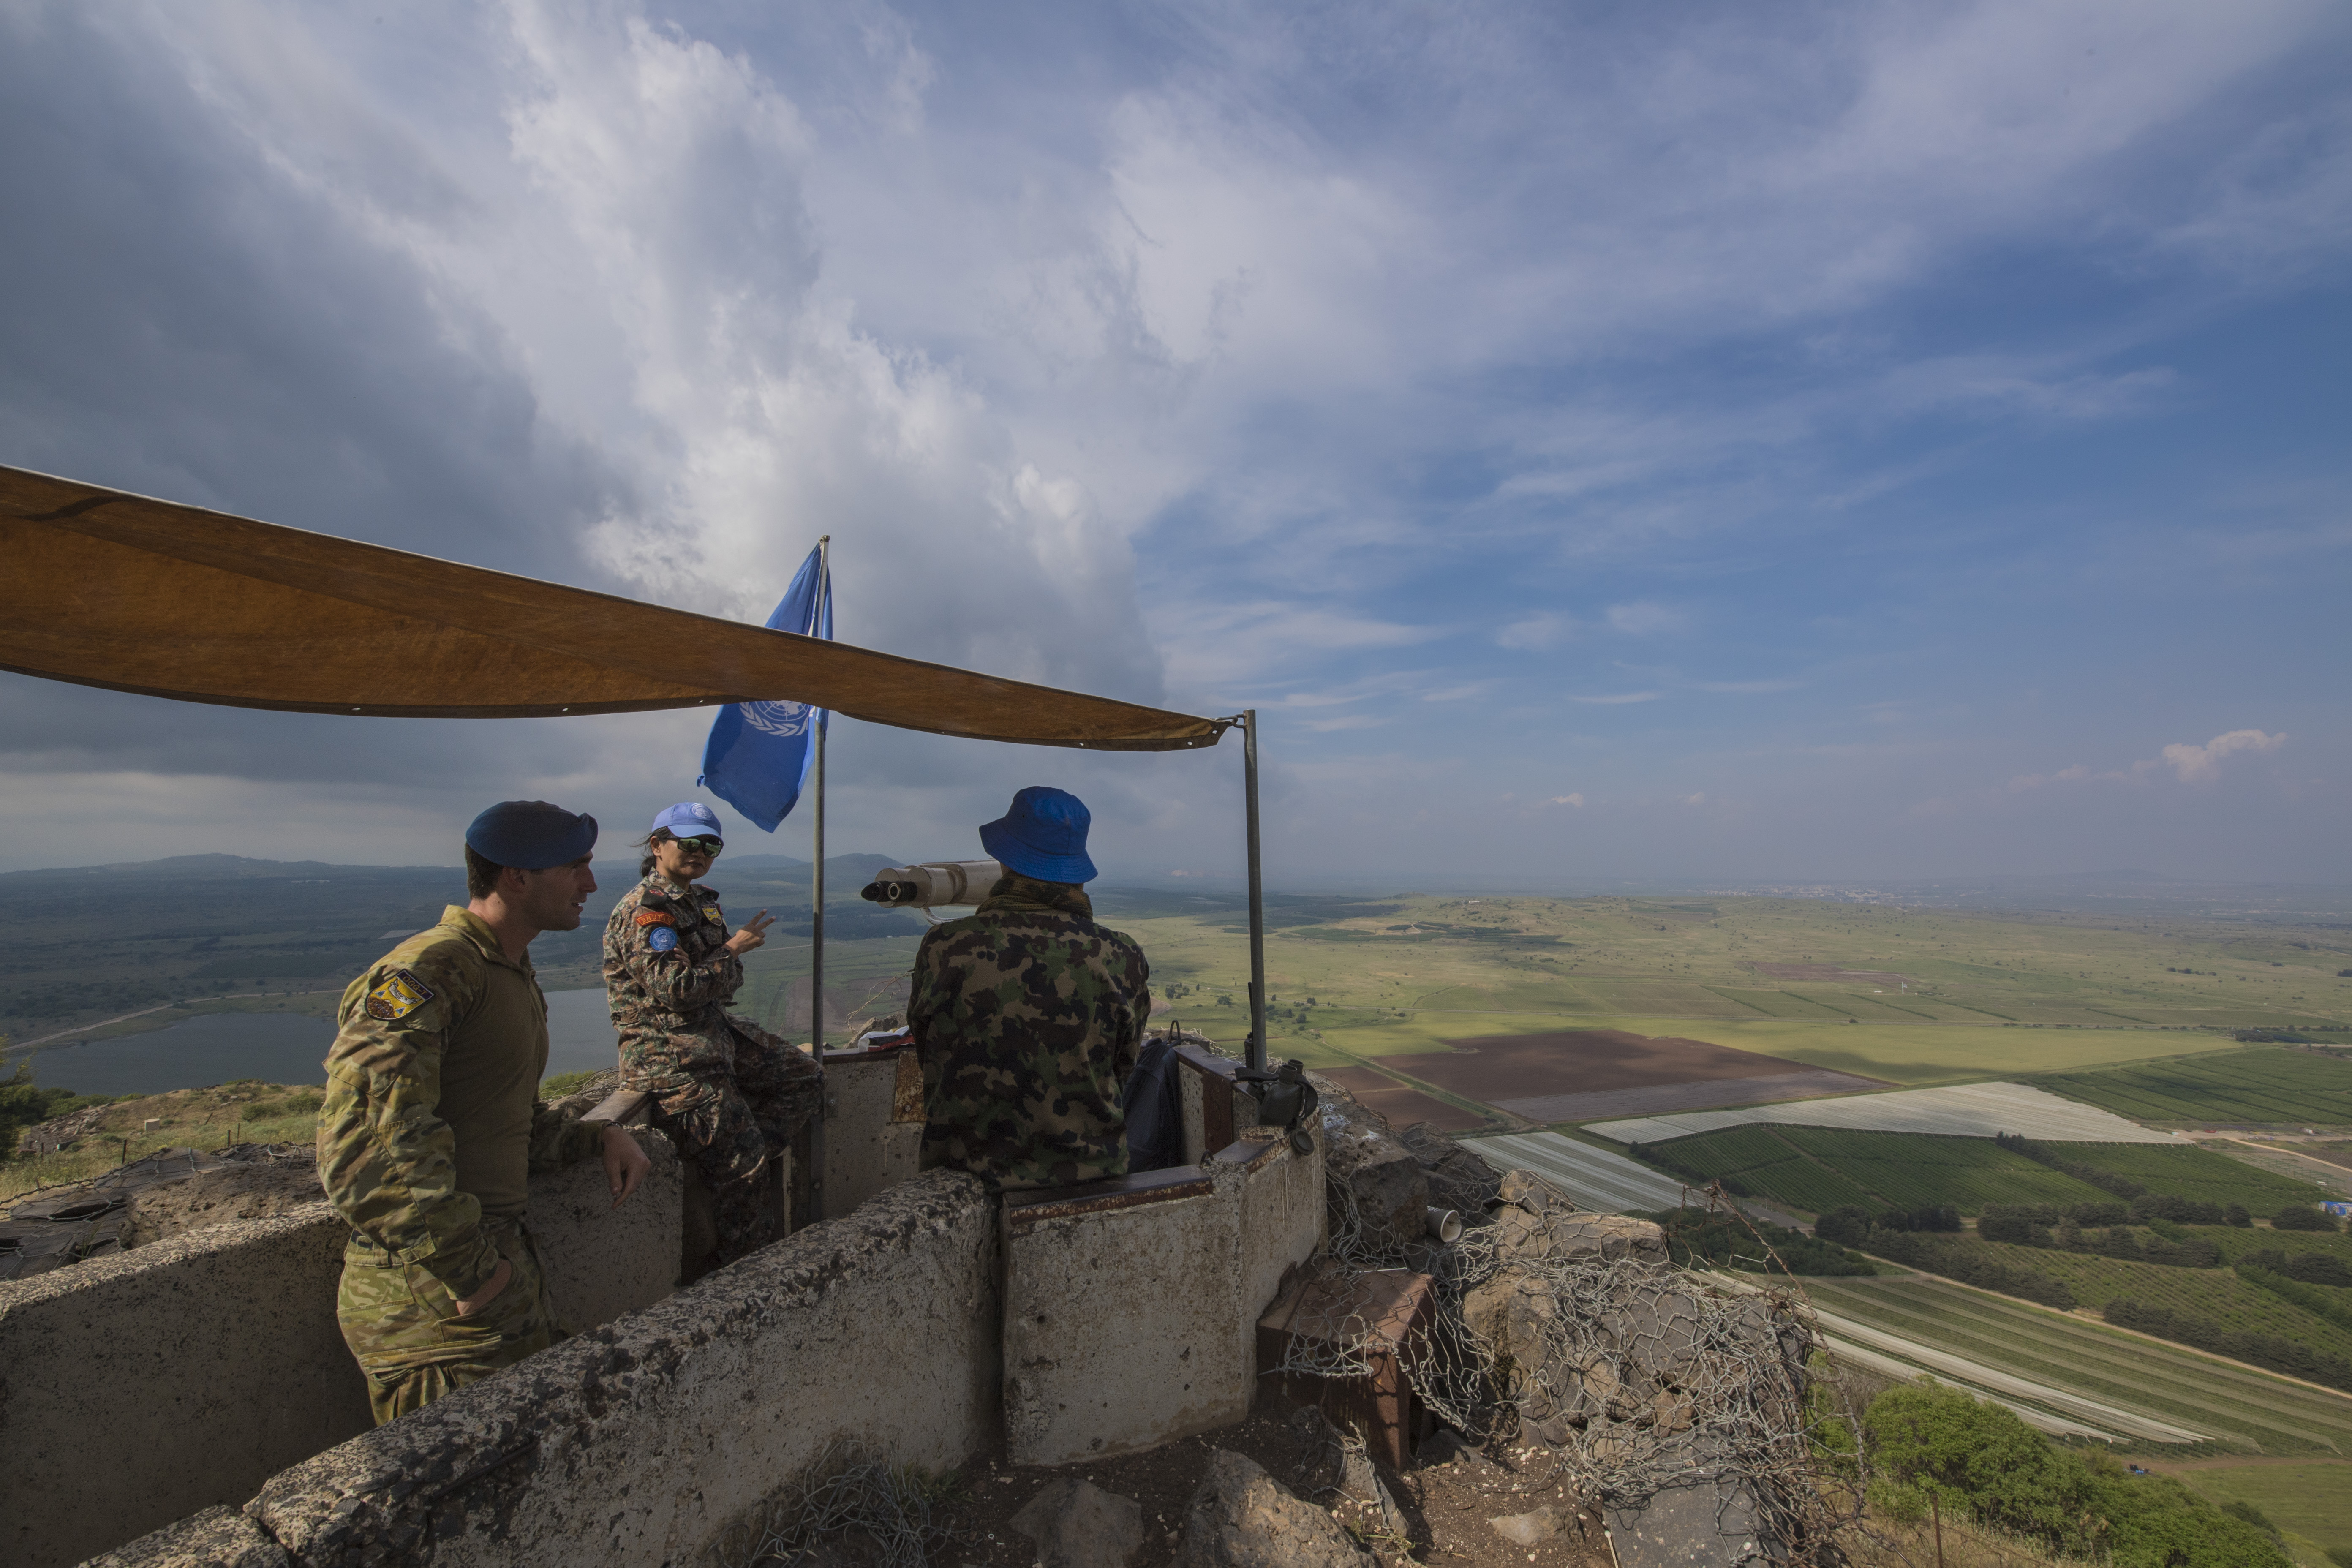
<point x="470" y="1305"/>
<point x="625" y="1164"/>
<point x="752" y="933"/>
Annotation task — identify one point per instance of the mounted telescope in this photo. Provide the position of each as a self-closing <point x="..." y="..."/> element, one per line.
<point x="931" y="883"/>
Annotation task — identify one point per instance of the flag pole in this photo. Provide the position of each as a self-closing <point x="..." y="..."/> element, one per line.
<point x="1257" y="1048"/>
<point x="817" y="900"/>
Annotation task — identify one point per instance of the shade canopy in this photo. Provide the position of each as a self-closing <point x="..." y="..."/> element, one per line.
<point x="135" y="594"/>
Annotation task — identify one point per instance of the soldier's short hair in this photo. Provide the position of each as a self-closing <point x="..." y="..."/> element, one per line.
<point x="481" y="875"/>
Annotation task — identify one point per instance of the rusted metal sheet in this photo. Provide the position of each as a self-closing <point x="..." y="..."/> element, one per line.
<point x="1381" y="1317"/>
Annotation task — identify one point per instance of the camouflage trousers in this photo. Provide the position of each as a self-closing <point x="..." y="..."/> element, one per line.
<point x="731" y="1110"/>
<point x="401" y="1323"/>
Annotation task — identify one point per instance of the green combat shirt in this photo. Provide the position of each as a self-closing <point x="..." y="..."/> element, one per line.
<point x="1027" y="1019"/>
<point x="432" y="1119"/>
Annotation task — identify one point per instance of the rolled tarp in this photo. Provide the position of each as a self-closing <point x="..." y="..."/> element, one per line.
<point x="136" y="595"/>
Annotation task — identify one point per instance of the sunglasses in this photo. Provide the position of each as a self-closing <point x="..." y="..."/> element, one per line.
<point x="709" y="847"/>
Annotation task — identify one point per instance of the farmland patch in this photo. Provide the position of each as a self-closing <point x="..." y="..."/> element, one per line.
<point x="1966" y="1111"/>
<point x="2254" y="1086"/>
<point x="1554" y="1077"/>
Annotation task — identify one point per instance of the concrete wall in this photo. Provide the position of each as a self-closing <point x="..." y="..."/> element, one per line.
<point x="137" y="1388"/>
<point x="1130" y="1307"/>
<point x="142" y="1386"/>
<point x="641" y="1442"/>
<point x="873" y="1130"/>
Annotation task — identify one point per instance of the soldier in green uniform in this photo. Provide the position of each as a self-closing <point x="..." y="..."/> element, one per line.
<point x="432" y="1122"/>
<point x="1027" y="1015"/>
<point x="729" y="1093"/>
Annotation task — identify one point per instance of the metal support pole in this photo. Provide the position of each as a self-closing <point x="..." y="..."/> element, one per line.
<point x="816" y="917"/>
<point x="1257" y="1049"/>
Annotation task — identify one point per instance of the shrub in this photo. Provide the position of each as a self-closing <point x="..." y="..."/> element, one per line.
<point x="2236" y="1215"/>
<point x="2301" y="1216"/>
<point x="1848" y="1225"/>
<point x="1927" y="1440"/>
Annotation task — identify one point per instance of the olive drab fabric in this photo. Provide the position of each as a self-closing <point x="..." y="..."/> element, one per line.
<point x="1028" y="1017"/>
<point x="402" y="1322"/>
<point x="429" y="1130"/>
<point x="729" y="1093"/>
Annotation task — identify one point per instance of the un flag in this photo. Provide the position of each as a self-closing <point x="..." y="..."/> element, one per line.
<point x="759" y="754"/>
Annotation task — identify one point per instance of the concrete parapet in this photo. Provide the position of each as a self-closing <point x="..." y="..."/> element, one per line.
<point x="638" y="1443"/>
<point x="1131" y="1306"/>
<point x="873" y="1124"/>
<point x="140" y="1388"/>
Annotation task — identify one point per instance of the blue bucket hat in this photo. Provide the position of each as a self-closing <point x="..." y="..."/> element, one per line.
<point x="689" y="819"/>
<point x="531" y="835"/>
<point x="1043" y="836"/>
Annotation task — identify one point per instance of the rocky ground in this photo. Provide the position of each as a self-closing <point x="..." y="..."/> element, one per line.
<point x="1446" y="1508"/>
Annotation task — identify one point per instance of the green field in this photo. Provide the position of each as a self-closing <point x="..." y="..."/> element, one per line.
<point x="2259" y="1085"/>
<point x="1816" y="1169"/>
<point x="2217" y="1295"/>
<point x="2242" y="1408"/>
<point x="2311" y="1504"/>
<point x="2204" y="1174"/>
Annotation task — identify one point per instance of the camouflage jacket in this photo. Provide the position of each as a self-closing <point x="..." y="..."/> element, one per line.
<point x="432" y="1118"/>
<point x="668" y="977"/>
<point x="1027" y="1019"/>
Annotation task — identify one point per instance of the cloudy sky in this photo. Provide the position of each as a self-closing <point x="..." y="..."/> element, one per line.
<point x="1711" y="441"/>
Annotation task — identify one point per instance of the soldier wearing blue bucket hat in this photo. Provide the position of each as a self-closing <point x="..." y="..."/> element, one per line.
<point x="1027" y="1015"/>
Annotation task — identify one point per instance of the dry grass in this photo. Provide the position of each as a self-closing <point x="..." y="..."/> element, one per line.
<point x="188" y="1118"/>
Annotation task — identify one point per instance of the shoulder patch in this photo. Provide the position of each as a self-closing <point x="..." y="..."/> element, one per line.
<point x="397" y="995"/>
<point x="664" y="938"/>
<point x="653" y="918"/>
<point x="710" y="913"/>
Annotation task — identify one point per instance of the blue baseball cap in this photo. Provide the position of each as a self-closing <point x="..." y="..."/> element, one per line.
<point x="531" y="835"/>
<point x="690" y="819"/>
<point x="1043" y="836"/>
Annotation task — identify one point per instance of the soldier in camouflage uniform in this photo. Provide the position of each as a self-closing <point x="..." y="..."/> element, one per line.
<point x="730" y="1094"/>
<point x="432" y="1123"/>
<point x="1027" y="1015"/>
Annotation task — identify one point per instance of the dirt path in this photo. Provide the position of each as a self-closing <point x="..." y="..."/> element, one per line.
<point x="2235" y="1463"/>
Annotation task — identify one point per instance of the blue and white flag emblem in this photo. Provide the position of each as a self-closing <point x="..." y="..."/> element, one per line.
<point x="759" y="754"/>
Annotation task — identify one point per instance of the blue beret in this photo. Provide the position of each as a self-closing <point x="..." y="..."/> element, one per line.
<point x="531" y="835"/>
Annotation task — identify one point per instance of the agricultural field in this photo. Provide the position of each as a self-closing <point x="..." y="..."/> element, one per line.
<point x="2194" y="1172"/>
<point x="2311" y="1504"/>
<point x="1960" y="1109"/>
<point x="2253" y="1085"/>
<point x="1816" y="1169"/>
<point x="2217" y="1295"/>
<point x="2237" y="1407"/>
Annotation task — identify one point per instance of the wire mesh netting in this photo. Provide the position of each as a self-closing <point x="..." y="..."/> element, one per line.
<point x="1614" y="1372"/>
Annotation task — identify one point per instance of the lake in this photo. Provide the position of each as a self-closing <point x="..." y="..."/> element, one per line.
<point x="277" y="1048"/>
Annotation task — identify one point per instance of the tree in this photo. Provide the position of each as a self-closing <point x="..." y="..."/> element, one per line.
<point x="2301" y="1216"/>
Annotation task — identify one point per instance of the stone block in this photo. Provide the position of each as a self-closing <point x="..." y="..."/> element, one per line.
<point x="1076" y="1524"/>
<point x="1240" y="1517"/>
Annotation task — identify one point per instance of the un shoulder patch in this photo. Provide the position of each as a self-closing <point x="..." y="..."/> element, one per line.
<point x="653" y="918"/>
<point x="663" y="939"/>
<point x="399" y="995"/>
<point x="710" y="913"/>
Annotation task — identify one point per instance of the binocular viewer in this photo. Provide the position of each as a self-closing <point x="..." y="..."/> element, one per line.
<point x="931" y="883"/>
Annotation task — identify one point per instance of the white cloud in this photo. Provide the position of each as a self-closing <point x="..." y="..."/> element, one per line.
<point x="1574" y="800"/>
<point x="1534" y="633"/>
<point x="2199" y="764"/>
<point x="1645" y="619"/>
<point x="1619" y="697"/>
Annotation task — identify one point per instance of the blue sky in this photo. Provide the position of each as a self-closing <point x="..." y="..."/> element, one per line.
<point x="1615" y="441"/>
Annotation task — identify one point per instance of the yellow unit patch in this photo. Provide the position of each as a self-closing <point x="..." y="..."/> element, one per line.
<point x="711" y="913"/>
<point x="399" y="995"/>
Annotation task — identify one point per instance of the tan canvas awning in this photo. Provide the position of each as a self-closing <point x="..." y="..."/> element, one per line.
<point x="120" y="591"/>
